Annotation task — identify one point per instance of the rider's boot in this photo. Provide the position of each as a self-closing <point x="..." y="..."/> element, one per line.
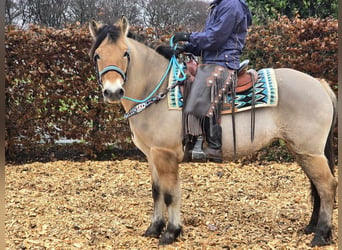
<point x="214" y="140"/>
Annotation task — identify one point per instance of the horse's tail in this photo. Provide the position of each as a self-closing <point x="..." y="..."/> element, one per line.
<point x="329" y="150"/>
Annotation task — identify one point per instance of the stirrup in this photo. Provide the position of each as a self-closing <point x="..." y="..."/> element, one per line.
<point x="197" y="153"/>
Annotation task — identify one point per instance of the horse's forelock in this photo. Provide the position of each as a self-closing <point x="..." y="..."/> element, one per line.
<point x="110" y="31"/>
<point x="114" y="32"/>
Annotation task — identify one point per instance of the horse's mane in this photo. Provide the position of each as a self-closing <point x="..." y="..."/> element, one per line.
<point x="157" y="46"/>
<point x="114" y="32"/>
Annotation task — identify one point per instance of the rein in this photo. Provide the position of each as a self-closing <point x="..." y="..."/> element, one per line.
<point x="178" y="75"/>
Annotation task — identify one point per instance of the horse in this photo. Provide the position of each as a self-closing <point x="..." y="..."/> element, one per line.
<point x="133" y="73"/>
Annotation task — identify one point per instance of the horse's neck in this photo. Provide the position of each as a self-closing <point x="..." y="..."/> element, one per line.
<point x="145" y="72"/>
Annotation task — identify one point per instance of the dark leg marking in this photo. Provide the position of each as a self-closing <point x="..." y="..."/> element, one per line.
<point x="155" y="192"/>
<point x="155" y="229"/>
<point x="167" y="199"/>
<point x="311" y="228"/>
<point x="170" y="235"/>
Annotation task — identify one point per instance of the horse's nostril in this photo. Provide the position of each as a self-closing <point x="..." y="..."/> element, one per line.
<point x="113" y="95"/>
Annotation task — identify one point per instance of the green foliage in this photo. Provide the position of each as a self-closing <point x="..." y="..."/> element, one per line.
<point x="267" y="10"/>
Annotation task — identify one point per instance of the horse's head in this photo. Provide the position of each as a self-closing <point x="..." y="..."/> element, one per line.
<point x="111" y="57"/>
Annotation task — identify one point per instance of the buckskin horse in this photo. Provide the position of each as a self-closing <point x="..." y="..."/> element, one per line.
<point x="132" y="72"/>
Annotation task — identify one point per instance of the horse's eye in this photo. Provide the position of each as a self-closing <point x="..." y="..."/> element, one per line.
<point x="96" y="57"/>
<point x="126" y="54"/>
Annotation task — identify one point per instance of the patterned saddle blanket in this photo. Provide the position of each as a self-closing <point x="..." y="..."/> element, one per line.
<point x="266" y="94"/>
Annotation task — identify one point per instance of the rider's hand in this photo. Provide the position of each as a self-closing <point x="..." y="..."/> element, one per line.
<point x="165" y="51"/>
<point x="179" y="49"/>
<point x="181" y="36"/>
<point x="168" y="52"/>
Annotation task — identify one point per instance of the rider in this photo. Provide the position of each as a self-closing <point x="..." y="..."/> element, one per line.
<point x="220" y="43"/>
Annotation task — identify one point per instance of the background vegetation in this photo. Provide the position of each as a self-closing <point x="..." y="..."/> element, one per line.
<point x="153" y="13"/>
<point x="51" y="90"/>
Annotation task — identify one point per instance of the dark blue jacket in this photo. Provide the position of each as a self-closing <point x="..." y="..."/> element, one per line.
<point x="224" y="34"/>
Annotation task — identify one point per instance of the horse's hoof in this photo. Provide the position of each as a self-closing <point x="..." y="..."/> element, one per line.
<point x="155" y="229"/>
<point x="170" y="235"/>
<point x="321" y="239"/>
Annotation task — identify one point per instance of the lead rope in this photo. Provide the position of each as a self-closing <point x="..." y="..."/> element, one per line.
<point x="178" y="75"/>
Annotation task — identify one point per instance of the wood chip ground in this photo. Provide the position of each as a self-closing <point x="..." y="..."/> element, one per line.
<point x="108" y="205"/>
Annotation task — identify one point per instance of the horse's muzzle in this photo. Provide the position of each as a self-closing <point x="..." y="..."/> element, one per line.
<point x="113" y="96"/>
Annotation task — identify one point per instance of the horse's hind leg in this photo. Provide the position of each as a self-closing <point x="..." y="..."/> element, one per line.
<point x="324" y="188"/>
<point x="166" y="191"/>
<point x="311" y="227"/>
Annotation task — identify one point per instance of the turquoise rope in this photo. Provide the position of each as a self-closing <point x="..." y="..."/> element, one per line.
<point x="178" y="74"/>
<point x="176" y="64"/>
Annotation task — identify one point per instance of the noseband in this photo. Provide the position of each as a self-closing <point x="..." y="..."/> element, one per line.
<point x="112" y="68"/>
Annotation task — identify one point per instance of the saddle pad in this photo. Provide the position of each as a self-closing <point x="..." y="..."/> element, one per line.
<point x="266" y="94"/>
<point x="174" y="97"/>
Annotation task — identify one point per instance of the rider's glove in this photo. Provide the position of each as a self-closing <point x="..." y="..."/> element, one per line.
<point x="181" y="36"/>
<point x="168" y="52"/>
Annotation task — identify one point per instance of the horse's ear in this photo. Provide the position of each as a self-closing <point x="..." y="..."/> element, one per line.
<point x="124" y="25"/>
<point x="94" y="28"/>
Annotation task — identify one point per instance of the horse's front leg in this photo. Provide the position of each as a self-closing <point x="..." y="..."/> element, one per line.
<point x="158" y="221"/>
<point x="165" y="192"/>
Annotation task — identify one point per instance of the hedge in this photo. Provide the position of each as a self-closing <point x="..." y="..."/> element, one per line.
<point x="51" y="90"/>
<point x="309" y="45"/>
<point x="51" y="93"/>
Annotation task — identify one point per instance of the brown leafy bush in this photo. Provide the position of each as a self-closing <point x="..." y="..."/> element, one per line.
<point x="309" y="45"/>
<point x="51" y="90"/>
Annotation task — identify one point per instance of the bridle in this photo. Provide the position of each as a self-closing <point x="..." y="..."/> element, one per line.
<point x="178" y="74"/>
<point x="114" y="68"/>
